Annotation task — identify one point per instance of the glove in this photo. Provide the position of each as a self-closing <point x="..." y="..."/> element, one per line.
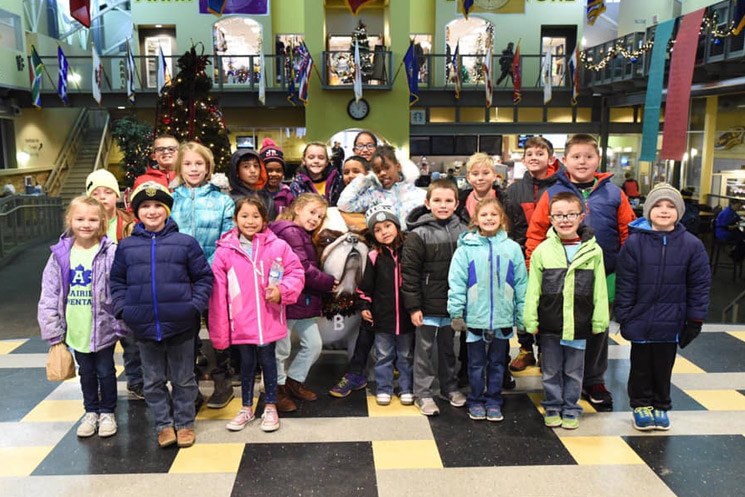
<point x="691" y="330"/>
<point x="458" y="325"/>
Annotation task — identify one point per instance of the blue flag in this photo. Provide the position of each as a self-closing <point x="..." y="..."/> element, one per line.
<point x="62" y="80"/>
<point x="412" y="73"/>
<point x="653" y="100"/>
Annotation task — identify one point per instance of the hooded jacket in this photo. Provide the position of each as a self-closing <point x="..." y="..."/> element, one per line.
<point x="663" y="280"/>
<point x="282" y="199"/>
<point x="238" y="189"/>
<point x="238" y="311"/>
<point x="334" y="183"/>
<point x="55" y="287"/>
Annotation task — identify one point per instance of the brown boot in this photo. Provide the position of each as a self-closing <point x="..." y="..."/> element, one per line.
<point x="186" y="437"/>
<point x="284" y="402"/>
<point x="298" y="390"/>
<point x="166" y="437"/>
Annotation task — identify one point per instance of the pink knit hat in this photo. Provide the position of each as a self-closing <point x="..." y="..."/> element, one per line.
<point x="270" y="152"/>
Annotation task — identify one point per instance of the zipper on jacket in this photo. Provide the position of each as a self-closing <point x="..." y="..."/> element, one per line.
<point x="395" y="290"/>
<point x="93" y="301"/>
<point x="158" y="335"/>
<point x="258" y="300"/>
<point x="662" y="268"/>
<point x="491" y="287"/>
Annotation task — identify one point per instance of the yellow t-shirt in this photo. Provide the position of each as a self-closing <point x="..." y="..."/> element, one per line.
<point x="320" y="187"/>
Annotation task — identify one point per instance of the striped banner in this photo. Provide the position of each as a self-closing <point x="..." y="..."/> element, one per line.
<point x="487" y="76"/>
<point x="37" y="72"/>
<point x="62" y="79"/>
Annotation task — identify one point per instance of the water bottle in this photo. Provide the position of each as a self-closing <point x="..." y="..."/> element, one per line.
<point x="276" y="272"/>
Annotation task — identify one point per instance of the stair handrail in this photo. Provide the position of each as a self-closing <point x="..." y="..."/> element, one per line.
<point x="67" y="153"/>
<point x="734" y="306"/>
<point x="104" y="145"/>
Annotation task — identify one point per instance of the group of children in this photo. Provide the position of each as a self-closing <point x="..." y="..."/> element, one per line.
<point x="442" y="261"/>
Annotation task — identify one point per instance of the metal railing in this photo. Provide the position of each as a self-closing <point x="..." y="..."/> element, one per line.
<point x="67" y="154"/>
<point x="26" y="220"/>
<point x="733" y="307"/>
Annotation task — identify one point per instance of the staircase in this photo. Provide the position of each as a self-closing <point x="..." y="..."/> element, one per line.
<point x="85" y="163"/>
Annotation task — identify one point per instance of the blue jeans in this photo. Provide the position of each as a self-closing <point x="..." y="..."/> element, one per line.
<point x="486" y="361"/>
<point x="310" y="350"/>
<point x="390" y="347"/>
<point x="96" y="370"/>
<point x="174" y="362"/>
<point x="132" y="361"/>
<point x="267" y="359"/>
<point x="562" y="368"/>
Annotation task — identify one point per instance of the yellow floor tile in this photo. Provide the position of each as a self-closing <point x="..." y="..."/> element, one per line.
<point x="55" y="410"/>
<point x="406" y="454"/>
<point x="529" y="371"/>
<point x="208" y="458"/>
<point x="719" y="400"/>
<point x="616" y="337"/>
<point x="8" y="346"/>
<point x="228" y="412"/>
<point x="600" y="450"/>
<point x="394" y="409"/>
<point x="21" y="461"/>
<point x="537" y="397"/>
<point x="684" y="366"/>
<point x="738" y="334"/>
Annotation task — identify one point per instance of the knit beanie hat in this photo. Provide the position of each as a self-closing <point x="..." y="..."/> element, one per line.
<point x="664" y="191"/>
<point x="379" y="213"/>
<point x="101" y="177"/>
<point x="151" y="190"/>
<point x="270" y="152"/>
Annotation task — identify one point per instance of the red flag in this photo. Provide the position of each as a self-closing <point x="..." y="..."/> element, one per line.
<point x="80" y="10"/>
<point x="355" y="5"/>
<point x="517" y="84"/>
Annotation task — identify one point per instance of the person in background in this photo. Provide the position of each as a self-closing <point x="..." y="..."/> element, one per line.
<point x="248" y="177"/>
<point x="692" y="216"/>
<point x="726" y="229"/>
<point x="505" y="64"/>
<point x="337" y="155"/>
<point x="165" y="153"/>
<point x="630" y="186"/>
<point x="317" y="175"/>
<point x="274" y="163"/>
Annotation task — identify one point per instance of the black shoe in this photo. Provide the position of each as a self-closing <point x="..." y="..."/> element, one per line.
<point x="223" y="393"/>
<point x="136" y="392"/>
<point x="508" y="382"/>
<point x="202" y="360"/>
<point x="599" y="396"/>
<point x="198" y="402"/>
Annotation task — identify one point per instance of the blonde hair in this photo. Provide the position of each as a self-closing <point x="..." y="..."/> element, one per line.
<point x="302" y="200"/>
<point x="200" y="149"/>
<point x="504" y="223"/>
<point x="317" y="144"/>
<point x="480" y="159"/>
<point x="87" y="201"/>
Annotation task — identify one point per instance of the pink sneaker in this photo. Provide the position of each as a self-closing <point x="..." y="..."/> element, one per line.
<point x="270" y="419"/>
<point x="244" y="416"/>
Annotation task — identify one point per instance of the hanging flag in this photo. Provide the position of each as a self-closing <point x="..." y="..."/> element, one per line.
<point x="97" y="76"/>
<point x="37" y="71"/>
<point x="130" y="74"/>
<point x="574" y="75"/>
<point x="546" y="77"/>
<point x="292" y="95"/>
<point x="517" y="78"/>
<point x="594" y="9"/>
<point x="62" y="79"/>
<point x="357" y="72"/>
<point x="216" y="6"/>
<point x="412" y="73"/>
<point x="467" y="5"/>
<point x="262" y="78"/>
<point x="456" y="69"/>
<point x="163" y="77"/>
<point x="739" y="18"/>
<point x="355" y="5"/>
<point x="80" y="10"/>
<point x="305" y="69"/>
<point x="487" y="76"/>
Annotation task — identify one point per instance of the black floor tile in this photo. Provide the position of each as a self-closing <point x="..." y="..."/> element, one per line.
<point x="320" y="469"/>
<point x="695" y="465"/>
<point x="21" y="389"/>
<point x="34" y="345"/>
<point x="520" y="440"/>
<point x="716" y="353"/>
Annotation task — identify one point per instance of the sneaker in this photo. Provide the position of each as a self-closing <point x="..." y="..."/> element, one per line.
<point x="383" y="399"/>
<point x="599" y="396"/>
<point x="477" y="412"/>
<point x="201" y="360"/>
<point x="136" y="392"/>
<point x="185" y="437"/>
<point x="166" y="437"/>
<point x="270" y="419"/>
<point x="644" y="419"/>
<point x="88" y="425"/>
<point x="456" y="398"/>
<point x="244" y="416"/>
<point x="348" y="383"/>
<point x="661" y="421"/>
<point x="494" y="414"/>
<point x="223" y="393"/>
<point x="427" y="406"/>
<point x="508" y="382"/>
<point x="106" y="424"/>
<point x="406" y="399"/>
<point x="569" y="422"/>
<point x="552" y="419"/>
<point x="524" y="359"/>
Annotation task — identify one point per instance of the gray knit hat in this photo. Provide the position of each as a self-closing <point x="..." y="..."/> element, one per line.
<point x="379" y="213"/>
<point x="664" y="191"/>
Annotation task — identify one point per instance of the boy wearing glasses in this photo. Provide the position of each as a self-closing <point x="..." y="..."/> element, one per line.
<point x="567" y="302"/>
<point x="165" y="153"/>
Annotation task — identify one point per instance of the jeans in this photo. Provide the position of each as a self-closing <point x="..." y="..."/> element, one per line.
<point x="96" y="370"/>
<point x="170" y="360"/>
<point x="562" y="369"/>
<point x="424" y="369"/>
<point x="390" y="348"/>
<point x="310" y="350"/>
<point x="649" y="378"/>
<point x="596" y="359"/>
<point x="486" y="360"/>
<point x="132" y="362"/>
<point x="362" y="348"/>
<point x="267" y="358"/>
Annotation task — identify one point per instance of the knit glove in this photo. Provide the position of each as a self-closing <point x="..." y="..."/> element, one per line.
<point x="691" y="330"/>
<point x="458" y="324"/>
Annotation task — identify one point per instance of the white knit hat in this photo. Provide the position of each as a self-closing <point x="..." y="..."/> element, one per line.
<point x="101" y="177"/>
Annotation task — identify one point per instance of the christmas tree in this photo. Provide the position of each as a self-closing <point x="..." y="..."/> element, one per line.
<point x="187" y="111"/>
<point x="135" y="139"/>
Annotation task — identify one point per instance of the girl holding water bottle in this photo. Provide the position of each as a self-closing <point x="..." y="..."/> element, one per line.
<point x="256" y="276"/>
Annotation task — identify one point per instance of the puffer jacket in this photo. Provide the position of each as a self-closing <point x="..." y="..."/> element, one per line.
<point x="55" y="287"/>
<point x="239" y="312"/>
<point x="309" y="304"/>
<point x="282" y="199"/>
<point x="160" y="282"/>
<point x="334" y="184"/>
<point x="203" y="212"/>
<point x="427" y="253"/>
<point x="567" y="299"/>
<point x="663" y="280"/>
<point x="487" y="282"/>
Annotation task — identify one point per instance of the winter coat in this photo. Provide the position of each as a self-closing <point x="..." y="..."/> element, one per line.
<point x="203" y="212"/>
<point x="723" y="221"/>
<point x="282" y="199"/>
<point x="125" y="223"/>
<point x="309" y="304"/>
<point x="567" y="299"/>
<point x="427" y="253"/>
<point x="334" y="184"/>
<point x="461" y="210"/>
<point x="365" y="191"/>
<point x="379" y="292"/>
<point x="487" y="282"/>
<point x="608" y="213"/>
<point x="239" y="312"/>
<point x="55" y="287"/>
<point x="160" y="282"/>
<point x="663" y="280"/>
<point x="238" y="189"/>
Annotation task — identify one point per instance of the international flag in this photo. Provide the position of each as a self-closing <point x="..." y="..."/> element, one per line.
<point x="292" y="95"/>
<point x="96" y="76"/>
<point x="164" y="76"/>
<point x="355" y="5"/>
<point x="412" y="73"/>
<point x="594" y="9"/>
<point x="456" y="69"/>
<point x="80" y="10"/>
<point x="304" y="71"/>
<point x="37" y="72"/>
<point x="262" y="78"/>
<point x="739" y="17"/>
<point x="357" y="73"/>
<point x="574" y="74"/>
<point x="546" y="77"/>
<point x="216" y="6"/>
<point x="62" y="79"/>
<point x="130" y="74"/>
<point x="467" y="5"/>
<point x="517" y="85"/>
<point x="487" y="76"/>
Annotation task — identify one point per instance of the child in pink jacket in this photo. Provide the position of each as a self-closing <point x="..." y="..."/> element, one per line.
<point x="256" y="276"/>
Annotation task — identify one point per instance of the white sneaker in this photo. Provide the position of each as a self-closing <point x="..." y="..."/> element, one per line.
<point x="383" y="399"/>
<point x="88" y="425"/>
<point x="244" y="416"/>
<point x="407" y="399"/>
<point x="456" y="398"/>
<point x="106" y="425"/>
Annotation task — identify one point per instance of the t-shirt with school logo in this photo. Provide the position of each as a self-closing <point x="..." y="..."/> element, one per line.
<point x="79" y="311"/>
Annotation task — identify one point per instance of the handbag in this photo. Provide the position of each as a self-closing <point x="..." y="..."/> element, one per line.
<point x="60" y="364"/>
